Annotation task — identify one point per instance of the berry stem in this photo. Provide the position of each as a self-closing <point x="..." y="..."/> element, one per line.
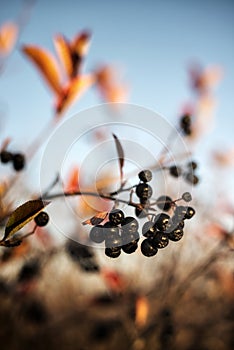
<point x="92" y="194"/>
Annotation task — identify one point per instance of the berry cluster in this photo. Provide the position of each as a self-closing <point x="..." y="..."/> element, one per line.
<point x="17" y="159"/>
<point x="186" y="124"/>
<point x="188" y="173"/>
<point x="144" y="192"/>
<point x="119" y="233"/>
<point x="163" y="228"/>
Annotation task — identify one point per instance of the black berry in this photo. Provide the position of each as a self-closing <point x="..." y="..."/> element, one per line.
<point x="145" y="175"/>
<point x="149" y="229"/>
<point x="147" y="249"/>
<point x="175" y="171"/>
<point x="189" y="213"/>
<point x="176" y="235"/>
<point x="187" y="197"/>
<point x="130" y="237"/>
<point x="191" y="178"/>
<point x="162" y="221"/>
<point x="116" y="216"/>
<point x="113" y="252"/>
<point x="130" y="247"/>
<point x="18" y="161"/>
<point x="192" y="165"/>
<point x="113" y="241"/>
<point x="180" y="213"/>
<point x="5" y="156"/>
<point x="42" y="219"/>
<point x="144" y="191"/>
<point x="185" y="124"/>
<point x="129" y="224"/>
<point x="164" y="203"/>
<point x="160" y="240"/>
<point x="97" y="234"/>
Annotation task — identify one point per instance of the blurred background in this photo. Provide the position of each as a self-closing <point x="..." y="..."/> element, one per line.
<point x="152" y="43"/>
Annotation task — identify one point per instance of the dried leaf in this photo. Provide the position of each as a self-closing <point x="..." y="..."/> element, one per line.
<point x="74" y="90"/>
<point x="97" y="219"/>
<point x="22" y="215"/>
<point x="73" y="180"/>
<point x="46" y="64"/>
<point x="109" y="85"/>
<point x="120" y="155"/>
<point x="8" y="37"/>
<point x="80" y="44"/>
<point x="64" y="52"/>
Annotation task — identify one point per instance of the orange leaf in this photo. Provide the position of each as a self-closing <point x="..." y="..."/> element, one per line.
<point x="73" y="91"/>
<point x="46" y="64"/>
<point x="64" y="51"/>
<point x="73" y="181"/>
<point x="97" y="219"/>
<point x="111" y="89"/>
<point x="8" y="37"/>
<point x="80" y="44"/>
<point x="142" y="310"/>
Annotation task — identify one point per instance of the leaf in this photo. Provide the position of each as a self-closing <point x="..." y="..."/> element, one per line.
<point x="73" y="180"/>
<point x="120" y="155"/>
<point x="64" y="52"/>
<point x="81" y="42"/>
<point x="46" y="64"/>
<point x="97" y="219"/>
<point x="8" y="37"/>
<point x="73" y="91"/>
<point x="22" y="215"/>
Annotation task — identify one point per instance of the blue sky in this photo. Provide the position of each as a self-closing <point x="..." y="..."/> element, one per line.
<point x="151" y="41"/>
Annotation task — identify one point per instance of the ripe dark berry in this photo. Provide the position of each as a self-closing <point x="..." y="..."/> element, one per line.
<point x="189" y="213"/>
<point x="176" y="235"/>
<point x="192" y="165"/>
<point x="42" y="219"/>
<point x="145" y="175"/>
<point x="113" y="252"/>
<point x="147" y="249"/>
<point x="187" y="197"/>
<point x="162" y="221"/>
<point x="116" y="217"/>
<point x="5" y="156"/>
<point x="130" y="237"/>
<point x="191" y="178"/>
<point x="185" y="120"/>
<point x="129" y="224"/>
<point x="185" y="124"/>
<point x="175" y="171"/>
<point x="164" y="203"/>
<point x="18" y="161"/>
<point x="160" y="240"/>
<point x="149" y="229"/>
<point x="130" y="247"/>
<point x="113" y="240"/>
<point x="97" y="234"/>
<point x="180" y="213"/>
<point x="144" y="191"/>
